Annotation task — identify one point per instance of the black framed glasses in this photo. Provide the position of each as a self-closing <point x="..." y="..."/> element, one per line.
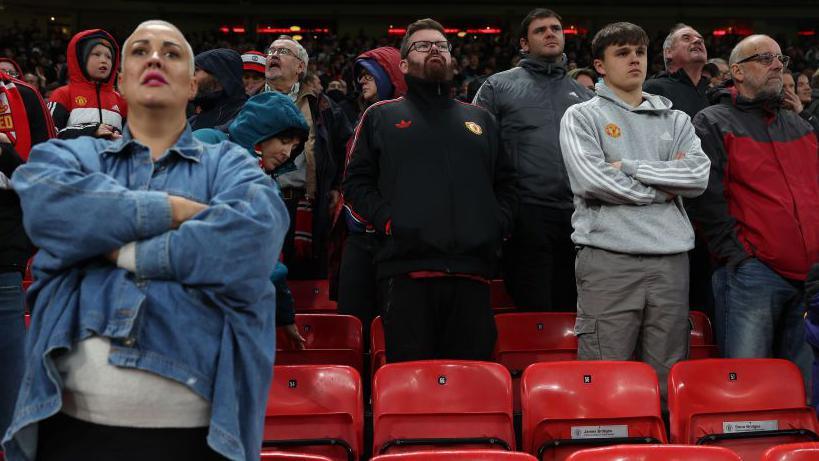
<point x="282" y="52"/>
<point x="13" y="73"/>
<point x="425" y="46"/>
<point x="766" y="59"/>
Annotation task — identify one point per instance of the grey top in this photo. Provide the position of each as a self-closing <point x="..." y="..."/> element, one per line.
<point x="637" y="209"/>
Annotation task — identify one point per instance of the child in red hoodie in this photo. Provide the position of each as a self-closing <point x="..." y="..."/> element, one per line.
<point x="89" y="105"/>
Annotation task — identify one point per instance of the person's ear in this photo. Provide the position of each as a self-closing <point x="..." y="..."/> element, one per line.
<point x="599" y="67"/>
<point x="404" y="66"/>
<point x="737" y="74"/>
<point x="194" y="87"/>
<point x="524" y="45"/>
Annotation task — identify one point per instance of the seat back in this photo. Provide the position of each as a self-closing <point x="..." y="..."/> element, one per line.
<point x="701" y="343"/>
<point x="458" y="455"/>
<point x="655" y="453"/>
<point x="285" y="456"/>
<point x="747" y="405"/>
<point x="378" y="346"/>
<point x="331" y="339"/>
<point x="310" y="405"/>
<point x="805" y="451"/>
<point x="568" y="406"/>
<point x="312" y="296"/>
<point x="499" y="298"/>
<point x="458" y="403"/>
<point x="532" y="337"/>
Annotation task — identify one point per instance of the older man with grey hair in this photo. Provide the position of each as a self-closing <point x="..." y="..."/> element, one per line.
<point x="760" y="213"/>
<point x="682" y="83"/>
<point x="147" y="340"/>
<point x="313" y="185"/>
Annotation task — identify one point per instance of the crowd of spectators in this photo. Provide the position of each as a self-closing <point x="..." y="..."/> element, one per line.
<point x="41" y="53"/>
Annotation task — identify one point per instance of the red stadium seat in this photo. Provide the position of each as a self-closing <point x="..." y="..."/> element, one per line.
<point x="312" y="296"/>
<point x="316" y="409"/>
<point x="378" y="346"/>
<point x="806" y="451"/>
<point x="458" y="455"/>
<point x="532" y="337"/>
<point x="433" y="404"/>
<point x="285" y="456"/>
<point x="499" y="298"/>
<point x="655" y="453"/>
<point x="701" y="343"/>
<point x="747" y="405"/>
<point x="331" y="339"/>
<point x="568" y="406"/>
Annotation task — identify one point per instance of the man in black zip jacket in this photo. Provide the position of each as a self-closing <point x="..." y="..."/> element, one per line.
<point x="529" y="101"/>
<point x="431" y="175"/>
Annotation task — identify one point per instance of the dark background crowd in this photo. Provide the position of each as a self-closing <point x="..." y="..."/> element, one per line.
<point x="41" y="53"/>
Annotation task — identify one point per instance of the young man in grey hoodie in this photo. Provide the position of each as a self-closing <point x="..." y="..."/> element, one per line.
<point x="631" y="159"/>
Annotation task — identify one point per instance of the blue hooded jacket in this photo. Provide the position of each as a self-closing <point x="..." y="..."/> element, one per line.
<point x="262" y="117"/>
<point x="219" y="108"/>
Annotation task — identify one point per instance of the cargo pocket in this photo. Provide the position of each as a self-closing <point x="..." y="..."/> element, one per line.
<point x="588" y="343"/>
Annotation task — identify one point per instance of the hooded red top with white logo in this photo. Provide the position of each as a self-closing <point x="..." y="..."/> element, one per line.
<point x="81" y="106"/>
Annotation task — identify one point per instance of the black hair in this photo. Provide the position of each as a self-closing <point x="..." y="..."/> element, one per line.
<point x="537" y="13"/>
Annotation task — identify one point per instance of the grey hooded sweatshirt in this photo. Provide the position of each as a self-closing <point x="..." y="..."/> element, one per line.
<point x="637" y="209"/>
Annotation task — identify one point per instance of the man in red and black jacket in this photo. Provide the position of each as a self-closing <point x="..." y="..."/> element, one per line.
<point x="24" y="122"/>
<point x="760" y="213"/>
<point x="430" y="174"/>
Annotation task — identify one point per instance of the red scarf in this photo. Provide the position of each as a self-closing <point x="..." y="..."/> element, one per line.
<point x="13" y="115"/>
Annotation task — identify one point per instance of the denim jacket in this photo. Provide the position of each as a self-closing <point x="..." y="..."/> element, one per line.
<point x="200" y="308"/>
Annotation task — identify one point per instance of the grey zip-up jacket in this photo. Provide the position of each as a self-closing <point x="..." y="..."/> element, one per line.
<point x="528" y="102"/>
<point x="637" y="209"/>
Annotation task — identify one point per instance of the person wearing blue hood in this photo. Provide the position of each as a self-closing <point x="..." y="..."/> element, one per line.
<point x="221" y="92"/>
<point x="269" y="126"/>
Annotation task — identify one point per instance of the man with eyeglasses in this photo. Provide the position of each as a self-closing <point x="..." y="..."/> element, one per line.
<point x="760" y="213"/>
<point x="312" y="189"/>
<point x="430" y="175"/>
<point x="529" y="101"/>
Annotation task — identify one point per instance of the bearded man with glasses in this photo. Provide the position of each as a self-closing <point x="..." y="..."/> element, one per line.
<point x="430" y="175"/>
<point x="760" y="213"/>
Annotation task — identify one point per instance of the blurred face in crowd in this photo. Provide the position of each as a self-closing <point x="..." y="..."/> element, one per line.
<point x="687" y="46"/>
<point x="157" y="69"/>
<point x="283" y="63"/>
<point x="803" y="89"/>
<point x="253" y="81"/>
<point x="314" y="84"/>
<point x="435" y="64"/>
<point x="8" y="68"/>
<point x="724" y="72"/>
<point x="544" y="39"/>
<point x="623" y="67"/>
<point x="32" y="80"/>
<point x="206" y="83"/>
<point x="337" y="85"/>
<point x="369" y="91"/>
<point x="788" y="83"/>
<point x="586" y="81"/>
<point x="276" y="150"/>
<point x="758" y="76"/>
<point x="99" y="63"/>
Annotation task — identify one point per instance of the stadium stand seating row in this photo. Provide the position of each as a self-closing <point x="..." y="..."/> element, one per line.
<point x="743" y="405"/>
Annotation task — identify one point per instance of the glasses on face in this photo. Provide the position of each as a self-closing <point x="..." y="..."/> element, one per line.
<point x="425" y="46"/>
<point x="766" y="59"/>
<point x="12" y="73"/>
<point x="365" y="77"/>
<point x="282" y="52"/>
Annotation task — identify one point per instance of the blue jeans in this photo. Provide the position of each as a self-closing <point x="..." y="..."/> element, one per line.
<point x="12" y="336"/>
<point x="760" y="314"/>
